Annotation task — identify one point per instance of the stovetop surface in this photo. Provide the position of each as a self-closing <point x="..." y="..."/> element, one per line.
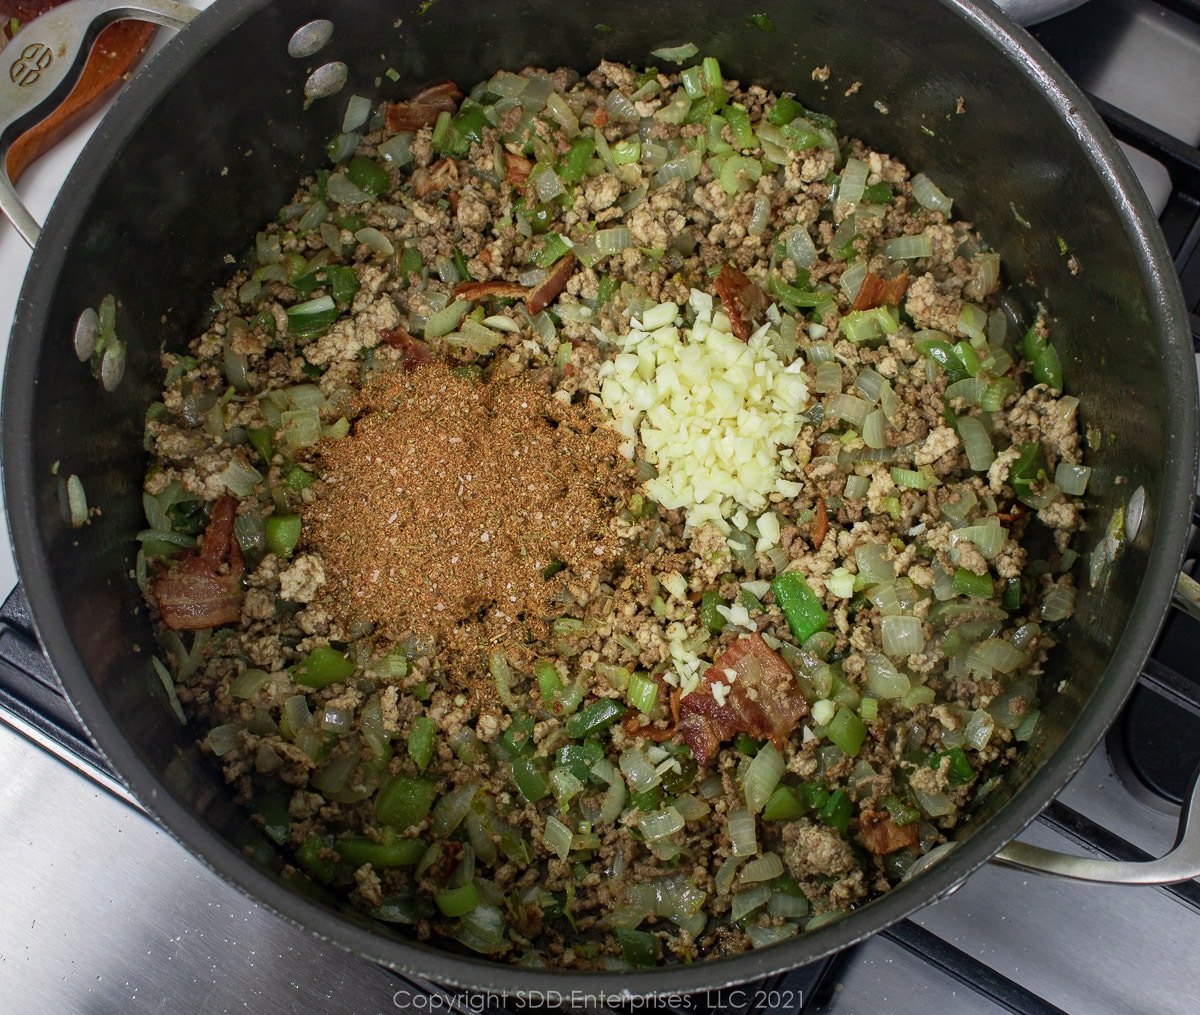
<point x="104" y="912"/>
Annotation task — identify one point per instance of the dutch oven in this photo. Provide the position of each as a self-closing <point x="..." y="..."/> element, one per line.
<point x="208" y="142"/>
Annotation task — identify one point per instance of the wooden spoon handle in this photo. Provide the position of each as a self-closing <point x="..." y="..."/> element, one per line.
<point x="113" y="57"/>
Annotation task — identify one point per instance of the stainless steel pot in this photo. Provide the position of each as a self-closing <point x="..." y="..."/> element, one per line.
<point x="206" y="144"/>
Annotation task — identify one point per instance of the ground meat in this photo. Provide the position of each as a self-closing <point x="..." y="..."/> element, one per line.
<point x="590" y="734"/>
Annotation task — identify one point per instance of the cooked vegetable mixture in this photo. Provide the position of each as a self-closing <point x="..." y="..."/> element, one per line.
<point x="609" y="520"/>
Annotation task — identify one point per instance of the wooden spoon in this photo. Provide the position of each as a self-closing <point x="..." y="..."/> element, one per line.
<point x="117" y="50"/>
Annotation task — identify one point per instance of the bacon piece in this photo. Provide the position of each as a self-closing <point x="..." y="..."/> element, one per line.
<point x="496" y="288"/>
<point x="193" y="594"/>
<point x="517" y="169"/>
<point x="877" y="291"/>
<point x="820" y="524"/>
<point x="416" y="353"/>
<point x="764" y="700"/>
<point x="544" y="294"/>
<point x="744" y="301"/>
<point x="881" y="835"/>
<point x="423" y="109"/>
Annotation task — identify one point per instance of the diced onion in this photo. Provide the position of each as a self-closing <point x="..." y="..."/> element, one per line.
<point x="852" y="279"/>
<point x="1059" y="603"/>
<point x="853" y="181"/>
<point x="851" y="408"/>
<point x="978" y="730"/>
<point x="928" y="195"/>
<point x="920" y="245"/>
<point x="1072" y="479"/>
<point x="660" y="824"/>
<point x="761" y="777"/>
<point x="557" y="837"/>
<point x="764" y="937"/>
<point x="936" y="805"/>
<point x="998" y="654"/>
<point x="760" y="217"/>
<point x="800" y="247"/>
<point x="857" y="486"/>
<point x="988" y="539"/>
<point x="874" y="564"/>
<point x="976" y="443"/>
<point x="747" y="901"/>
<point x="723" y="879"/>
<point x="548" y="185"/>
<point x="742" y="834"/>
<point x="828" y="380"/>
<point x="902" y="636"/>
<point x="358" y="108"/>
<point x="762" y="868"/>
<point x="222" y="739"/>
<point x="874" y="431"/>
<point x="341" y="191"/>
<point x="638" y="770"/>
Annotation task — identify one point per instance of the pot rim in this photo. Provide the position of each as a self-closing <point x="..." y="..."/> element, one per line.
<point x="1164" y="558"/>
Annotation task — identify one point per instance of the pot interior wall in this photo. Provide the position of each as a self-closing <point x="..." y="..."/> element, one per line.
<point x="179" y="184"/>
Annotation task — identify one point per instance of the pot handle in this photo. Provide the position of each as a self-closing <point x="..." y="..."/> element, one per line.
<point x="46" y="58"/>
<point x="1181" y="863"/>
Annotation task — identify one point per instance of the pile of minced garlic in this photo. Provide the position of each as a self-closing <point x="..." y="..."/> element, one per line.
<point x="715" y="416"/>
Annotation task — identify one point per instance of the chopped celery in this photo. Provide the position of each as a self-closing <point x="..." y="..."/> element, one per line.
<point x="847" y="731"/>
<point x="642" y="692"/>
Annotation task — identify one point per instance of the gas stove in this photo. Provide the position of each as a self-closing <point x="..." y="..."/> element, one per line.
<point x="105" y="912"/>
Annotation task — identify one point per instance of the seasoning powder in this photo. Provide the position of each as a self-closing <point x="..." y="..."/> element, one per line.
<point x="453" y="499"/>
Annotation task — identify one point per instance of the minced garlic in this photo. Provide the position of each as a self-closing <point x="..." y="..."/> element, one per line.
<point x="715" y="416"/>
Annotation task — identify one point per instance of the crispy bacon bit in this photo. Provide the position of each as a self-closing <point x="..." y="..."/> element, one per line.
<point x="517" y="169"/>
<point x="544" y="294"/>
<point x="1017" y="511"/>
<point x="763" y="700"/>
<point x="442" y="175"/>
<point x="820" y="524"/>
<point x="423" y="109"/>
<point x="744" y="301"/>
<point x="877" y="291"/>
<point x="193" y="594"/>
<point x="415" y="352"/>
<point x="497" y="288"/>
<point x="881" y="835"/>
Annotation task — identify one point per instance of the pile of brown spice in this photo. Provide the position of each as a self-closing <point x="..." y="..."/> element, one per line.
<point x="452" y="500"/>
